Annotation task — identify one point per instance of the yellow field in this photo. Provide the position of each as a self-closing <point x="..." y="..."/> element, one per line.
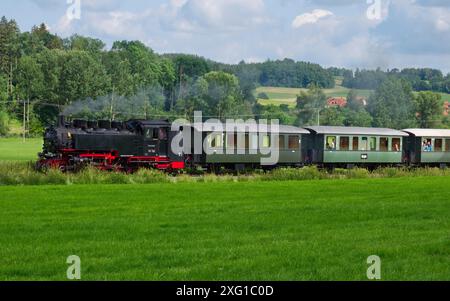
<point x="279" y="95"/>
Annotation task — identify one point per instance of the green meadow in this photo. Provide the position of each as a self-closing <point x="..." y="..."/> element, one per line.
<point x="310" y="230"/>
<point x="15" y="149"/>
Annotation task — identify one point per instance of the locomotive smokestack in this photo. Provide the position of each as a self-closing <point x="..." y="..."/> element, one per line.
<point x="61" y="121"/>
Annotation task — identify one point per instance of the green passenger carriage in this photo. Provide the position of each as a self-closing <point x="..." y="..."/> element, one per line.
<point x="429" y="147"/>
<point x="244" y="146"/>
<point x="349" y="146"/>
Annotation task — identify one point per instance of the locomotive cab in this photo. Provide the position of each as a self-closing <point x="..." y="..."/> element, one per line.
<point x="155" y="141"/>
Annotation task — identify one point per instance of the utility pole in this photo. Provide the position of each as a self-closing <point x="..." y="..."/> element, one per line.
<point x="181" y="78"/>
<point x="111" y="108"/>
<point x="24" y="119"/>
<point x="28" y="114"/>
<point x="318" y="117"/>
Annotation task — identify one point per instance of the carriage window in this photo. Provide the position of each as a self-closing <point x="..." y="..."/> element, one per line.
<point x="447" y="145"/>
<point x="438" y="145"/>
<point x="231" y="140"/>
<point x="364" y="144"/>
<point x="373" y="143"/>
<point x="281" y="142"/>
<point x="215" y="141"/>
<point x="344" y="144"/>
<point x="355" y="143"/>
<point x="427" y="145"/>
<point x="395" y="144"/>
<point x="384" y="144"/>
<point x="294" y="142"/>
<point x="254" y="141"/>
<point x="247" y="141"/>
<point x="331" y="142"/>
<point x="266" y="141"/>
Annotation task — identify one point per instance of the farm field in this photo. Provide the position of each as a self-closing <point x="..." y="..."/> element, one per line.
<point x="228" y="231"/>
<point x="288" y="96"/>
<point x="279" y="96"/>
<point x="14" y="149"/>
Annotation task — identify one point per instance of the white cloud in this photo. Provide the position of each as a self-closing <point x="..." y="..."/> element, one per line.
<point x="310" y="18"/>
<point x="442" y="25"/>
<point x="223" y="15"/>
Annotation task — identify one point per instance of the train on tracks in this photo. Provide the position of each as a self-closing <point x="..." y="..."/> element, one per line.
<point x="128" y="146"/>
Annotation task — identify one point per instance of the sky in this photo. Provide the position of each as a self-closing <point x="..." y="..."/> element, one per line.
<point x="342" y="33"/>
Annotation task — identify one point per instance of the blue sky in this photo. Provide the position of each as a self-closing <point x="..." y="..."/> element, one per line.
<point x="343" y="33"/>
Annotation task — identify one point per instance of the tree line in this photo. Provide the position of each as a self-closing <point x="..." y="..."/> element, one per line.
<point x="420" y="79"/>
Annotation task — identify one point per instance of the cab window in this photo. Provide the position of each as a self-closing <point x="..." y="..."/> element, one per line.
<point x="151" y="133"/>
<point x="396" y="144"/>
<point x="344" y="144"/>
<point x="384" y="144"/>
<point x="162" y="134"/>
<point x="331" y="142"/>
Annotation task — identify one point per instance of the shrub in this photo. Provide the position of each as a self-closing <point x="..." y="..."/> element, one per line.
<point x="358" y="173"/>
<point x="148" y="176"/>
<point x="4" y="123"/>
<point x="391" y="172"/>
<point x="291" y="174"/>
<point x="263" y="95"/>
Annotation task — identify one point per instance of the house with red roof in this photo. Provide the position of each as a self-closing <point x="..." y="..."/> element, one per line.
<point x="337" y="102"/>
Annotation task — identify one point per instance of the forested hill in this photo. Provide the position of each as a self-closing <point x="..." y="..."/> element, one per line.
<point x="42" y="75"/>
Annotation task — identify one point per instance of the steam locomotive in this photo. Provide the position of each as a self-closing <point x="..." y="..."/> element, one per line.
<point x="118" y="146"/>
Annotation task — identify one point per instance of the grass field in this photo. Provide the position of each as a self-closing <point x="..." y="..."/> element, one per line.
<point x="228" y="231"/>
<point x="14" y="149"/>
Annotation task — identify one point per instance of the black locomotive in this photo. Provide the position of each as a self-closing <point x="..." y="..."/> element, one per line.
<point x="124" y="146"/>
